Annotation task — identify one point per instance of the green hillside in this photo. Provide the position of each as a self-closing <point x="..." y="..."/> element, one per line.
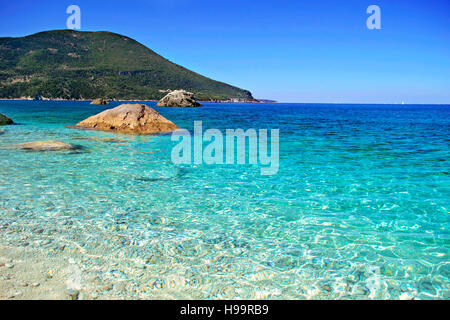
<point x="85" y="65"/>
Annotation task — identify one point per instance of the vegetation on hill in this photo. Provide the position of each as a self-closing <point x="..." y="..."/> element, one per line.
<point x="71" y="64"/>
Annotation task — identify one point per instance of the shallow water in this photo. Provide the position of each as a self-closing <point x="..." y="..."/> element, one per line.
<point x="358" y="210"/>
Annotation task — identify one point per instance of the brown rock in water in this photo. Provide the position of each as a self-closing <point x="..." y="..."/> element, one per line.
<point x="5" y="120"/>
<point x="178" y="98"/>
<point x="99" y="101"/>
<point x="129" y="118"/>
<point x="45" y="146"/>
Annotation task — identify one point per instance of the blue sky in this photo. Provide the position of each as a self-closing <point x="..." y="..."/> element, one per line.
<point x="290" y="51"/>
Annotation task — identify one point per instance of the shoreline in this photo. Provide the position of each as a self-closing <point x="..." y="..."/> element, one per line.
<point x="258" y="101"/>
<point x="135" y="100"/>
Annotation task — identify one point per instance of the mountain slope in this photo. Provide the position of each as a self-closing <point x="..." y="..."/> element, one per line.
<point x="85" y="65"/>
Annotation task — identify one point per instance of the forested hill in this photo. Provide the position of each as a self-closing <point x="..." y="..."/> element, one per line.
<point x="71" y="64"/>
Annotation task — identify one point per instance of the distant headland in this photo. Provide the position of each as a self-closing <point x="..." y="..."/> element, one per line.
<point x="75" y="65"/>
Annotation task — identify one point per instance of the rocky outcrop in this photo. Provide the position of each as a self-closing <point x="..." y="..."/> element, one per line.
<point x="4" y="120"/>
<point x="129" y="118"/>
<point x="99" y="101"/>
<point x="178" y="98"/>
<point x="45" y="146"/>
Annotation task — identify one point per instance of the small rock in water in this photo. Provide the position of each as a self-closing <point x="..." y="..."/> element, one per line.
<point x="45" y="146"/>
<point x="14" y="295"/>
<point x="50" y="274"/>
<point x="72" y="294"/>
<point x="100" y="101"/>
<point x="151" y="259"/>
<point x="178" y="98"/>
<point x="4" y="120"/>
<point x="108" y="287"/>
<point x="35" y="284"/>
<point x="9" y="265"/>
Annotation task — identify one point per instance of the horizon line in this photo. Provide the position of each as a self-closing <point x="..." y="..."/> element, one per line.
<point x="246" y="102"/>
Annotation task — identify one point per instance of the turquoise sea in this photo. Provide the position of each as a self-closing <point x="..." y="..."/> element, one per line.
<point x="359" y="208"/>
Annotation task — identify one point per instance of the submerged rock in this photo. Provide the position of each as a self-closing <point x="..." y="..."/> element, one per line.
<point x="72" y="294"/>
<point x="5" y="120"/>
<point x="178" y="98"/>
<point x="129" y="118"/>
<point x="45" y="146"/>
<point x="99" y="101"/>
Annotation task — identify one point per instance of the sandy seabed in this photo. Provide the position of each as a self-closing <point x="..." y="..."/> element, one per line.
<point x="30" y="274"/>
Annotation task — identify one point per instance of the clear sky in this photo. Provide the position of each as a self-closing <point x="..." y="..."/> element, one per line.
<point x="290" y="51"/>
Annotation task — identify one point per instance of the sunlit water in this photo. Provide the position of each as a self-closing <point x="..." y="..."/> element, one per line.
<point x="358" y="210"/>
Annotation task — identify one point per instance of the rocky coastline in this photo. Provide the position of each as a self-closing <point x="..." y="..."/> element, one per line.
<point x="231" y="100"/>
